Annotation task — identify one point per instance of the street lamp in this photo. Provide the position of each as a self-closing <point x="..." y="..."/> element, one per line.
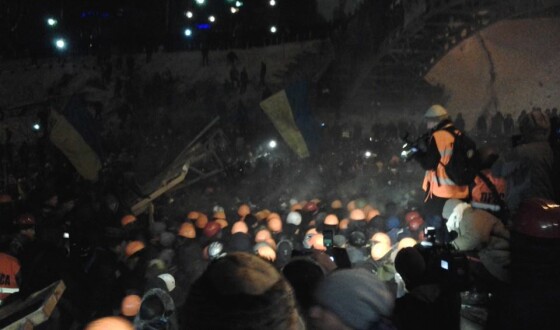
<point x="273" y="29"/>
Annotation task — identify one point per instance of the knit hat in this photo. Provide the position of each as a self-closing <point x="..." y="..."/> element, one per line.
<point x="449" y="207"/>
<point x="356" y="297"/>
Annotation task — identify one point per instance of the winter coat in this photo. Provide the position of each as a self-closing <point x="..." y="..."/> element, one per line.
<point x="482" y="232"/>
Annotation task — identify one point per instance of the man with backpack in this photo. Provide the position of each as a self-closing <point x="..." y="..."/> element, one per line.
<point x="448" y="158"/>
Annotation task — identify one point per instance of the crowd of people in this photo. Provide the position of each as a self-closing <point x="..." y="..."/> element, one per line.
<point x="316" y="262"/>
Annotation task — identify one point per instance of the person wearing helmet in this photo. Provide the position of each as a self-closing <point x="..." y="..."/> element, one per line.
<point x="9" y="275"/>
<point x="241" y="291"/>
<point x="136" y="263"/>
<point x="130" y="306"/>
<point x="157" y="312"/>
<point x="532" y="300"/>
<point x="529" y="168"/>
<point x="110" y="322"/>
<point x="437" y="153"/>
<point x="488" y="191"/>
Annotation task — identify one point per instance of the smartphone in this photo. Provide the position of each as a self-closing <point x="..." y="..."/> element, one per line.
<point x="328" y="236"/>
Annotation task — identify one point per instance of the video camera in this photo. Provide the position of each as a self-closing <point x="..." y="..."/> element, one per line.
<point x="411" y="148"/>
<point x="444" y="264"/>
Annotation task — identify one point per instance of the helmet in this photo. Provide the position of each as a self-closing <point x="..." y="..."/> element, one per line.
<point x="265" y="251"/>
<point x="367" y="208"/>
<point x="336" y="204"/>
<point x="436" y="111"/>
<point x="412" y="215"/>
<point x="379" y="250"/>
<point x="215" y="250"/>
<point x="273" y="215"/>
<point x="372" y="214"/>
<point x="381" y="238"/>
<point x="131" y="305"/>
<point x="343" y="224"/>
<point x="351" y="206"/>
<point x="309" y="207"/>
<point x="271" y="242"/>
<point x="538" y="217"/>
<point x="316" y="242"/>
<point x="331" y="220"/>
<point x="110" y="323"/>
<point x="169" y="281"/>
<point x="127" y="219"/>
<point x="133" y="247"/>
<point x="294" y="218"/>
<point x="222" y="222"/>
<point x="26" y="219"/>
<point x="239" y="227"/>
<point x="262" y="235"/>
<point x="243" y="210"/>
<point x="5" y="198"/>
<point x="415" y="224"/>
<point x="406" y="242"/>
<point x="392" y="222"/>
<point x="262" y="214"/>
<point x="275" y="225"/>
<point x="357" y="238"/>
<point x="212" y="228"/>
<point x="193" y="215"/>
<point x="357" y="215"/>
<point x="219" y="215"/>
<point x="187" y="230"/>
<point x="360" y="203"/>
<point x="296" y="207"/>
<point x="201" y="221"/>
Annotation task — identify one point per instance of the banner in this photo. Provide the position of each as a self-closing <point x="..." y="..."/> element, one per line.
<point x="65" y="137"/>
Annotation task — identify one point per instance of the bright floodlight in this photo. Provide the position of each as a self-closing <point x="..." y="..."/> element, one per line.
<point x="189" y="14"/>
<point x="272" y="3"/>
<point x="234" y="10"/>
<point x="60" y="43"/>
<point x="238" y="4"/>
<point x="200" y="2"/>
<point x="272" y="144"/>
<point x="51" y="21"/>
<point x="367" y="154"/>
<point x="36" y="126"/>
<point x="212" y="19"/>
<point x="273" y="29"/>
<point x="188" y="32"/>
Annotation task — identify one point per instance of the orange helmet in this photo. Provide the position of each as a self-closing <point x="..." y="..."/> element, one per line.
<point x="351" y="206"/>
<point x="187" y="230"/>
<point x="262" y="214"/>
<point x="381" y="238"/>
<point x="219" y="215"/>
<point x="406" y="242"/>
<point x="201" y="221"/>
<point x="127" y="219"/>
<point x="110" y="323"/>
<point x="273" y="215"/>
<point x="275" y="225"/>
<point x="336" y="204"/>
<point x="372" y="214"/>
<point x="317" y="242"/>
<point x="222" y="222"/>
<point x="357" y="215"/>
<point x="5" y="198"/>
<point x="331" y="220"/>
<point x="379" y="250"/>
<point x="130" y="305"/>
<point x="296" y="207"/>
<point x="243" y="210"/>
<point x="343" y="224"/>
<point x="239" y="227"/>
<point x="133" y="247"/>
<point x="193" y="215"/>
<point x="265" y="251"/>
<point x="262" y="235"/>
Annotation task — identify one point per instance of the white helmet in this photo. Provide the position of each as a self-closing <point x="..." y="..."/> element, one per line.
<point x="294" y="218"/>
<point x="169" y="281"/>
<point x="436" y="111"/>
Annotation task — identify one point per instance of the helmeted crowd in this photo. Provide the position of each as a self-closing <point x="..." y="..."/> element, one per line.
<point x="316" y="262"/>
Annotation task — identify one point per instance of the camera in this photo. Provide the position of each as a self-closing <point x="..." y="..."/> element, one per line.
<point x="411" y="148"/>
<point x="444" y="264"/>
